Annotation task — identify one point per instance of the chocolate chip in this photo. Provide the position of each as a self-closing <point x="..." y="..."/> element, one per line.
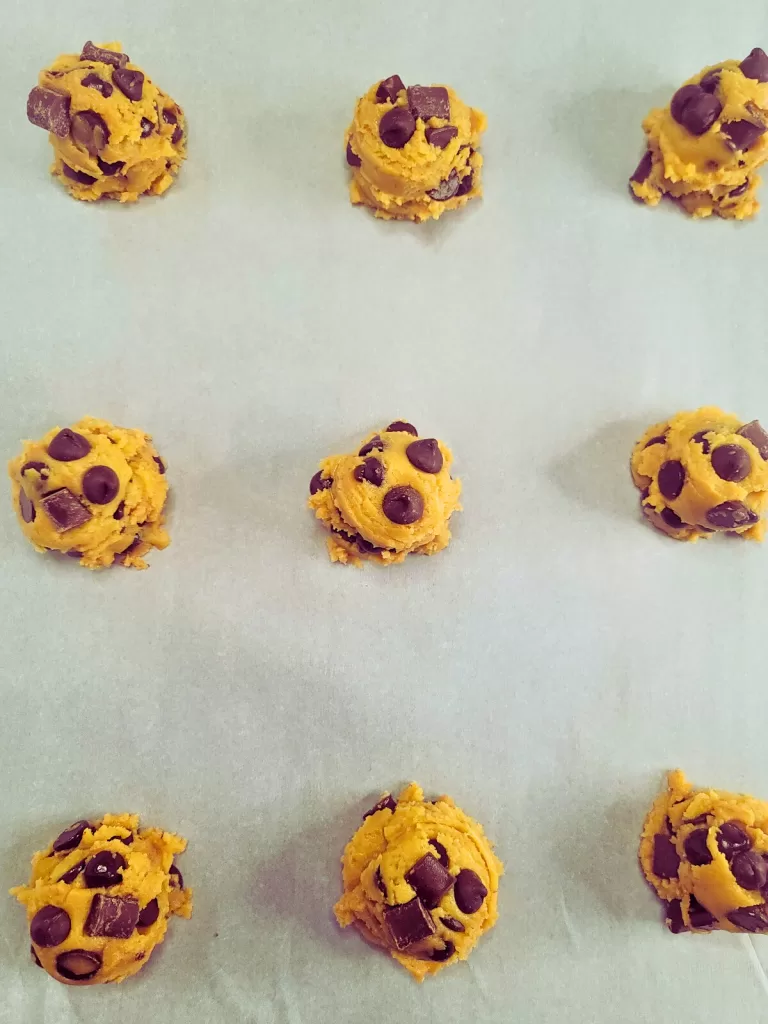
<point x="90" y="130"/>
<point x="742" y="135"/>
<point x="665" y="858"/>
<point x="389" y="88"/>
<point x="79" y="176"/>
<point x="130" y="83"/>
<point x="453" y="924"/>
<point x="149" y="914"/>
<point x="177" y="881"/>
<point x="94" y="82"/>
<point x="35" y="957"/>
<point x="731" y="462"/>
<point x="169" y="116"/>
<point x="64" y="510"/>
<point x="696" y="849"/>
<point x="49" y="110"/>
<point x="101" y="485"/>
<point x="403" y="506"/>
<point x="380" y="883"/>
<point x="753" y="432"/>
<point x="91" y="52"/>
<point x="408" y="923"/>
<point x="70" y="837"/>
<point x="400" y="426"/>
<point x="441" y="851"/>
<point x="119" y="511"/>
<point x="755" y="65"/>
<point x="445" y="953"/>
<point x="387" y="803"/>
<point x="371" y="470"/>
<point x="700" y="819"/>
<point x="730" y="515"/>
<point x="699" y="438"/>
<point x="125" y="840"/>
<point x="103" y="869"/>
<point x="110" y="169"/>
<point x="681" y="99"/>
<point x="658" y="439"/>
<point x="671" y="479"/>
<point x="365" y="545"/>
<point x="469" y="891"/>
<point x="425" y="455"/>
<point x="671" y="518"/>
<point x="374" y="445"/>
<point x="319" y="482"/>
<point x="146" y="127"/>
<point x="751" y="919"/>
<point x="739" y="190"/>
<point x="711" y="80"/>
<point x="113" y="917"/>
<point x="67" y="446"/>
<point x="178" y="135"/>
<point x="750" y="870"/>
<point x="50" y="926"/>
<point x="78" y="964"/>
<point x="71" y="875"/>
<point x="26" y="507"/>
<point x="465" y="185"/>
<point x="643" y="169"/>
<point x="352" y="158"/>
<point x="732" y="839"/>
<point x="42" y="469"/>
<point x="674" y="917"/>
<point x="74" y="554"/>
<point x="695" y="109"/>
<point x="429" y="101"/>
<point x="429" y="879"/>
<point x="396" y="127"/>
<point x="698" y="915"/>
<point x="440" y="137"/>
<point x="447" y="188"/>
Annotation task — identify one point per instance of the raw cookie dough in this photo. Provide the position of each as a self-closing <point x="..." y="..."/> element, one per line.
<point x="702" y="472"/>
<point x="92" y="491"/>
<point x="421" y="880"/>
<point x="99" y="899"/>
<point x="115" y="135"/>
<point x="705" y="148"/>
<point x="394" y="498"/>
<point x="414" y="152"/>
<point x="706" y="855"/>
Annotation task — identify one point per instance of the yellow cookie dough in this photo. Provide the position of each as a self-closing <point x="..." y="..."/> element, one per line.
<point x="99" y="899"/>
<point x="703" y="472"/>
<point x="115" y="135"/>
<point x="705" y="853"/>
<point x="705" y="148"/>
<point x="394" y="498"/>
<point x="92" y="491"/>
<point x="421" y="880"/>
<point x="414" y="152"/>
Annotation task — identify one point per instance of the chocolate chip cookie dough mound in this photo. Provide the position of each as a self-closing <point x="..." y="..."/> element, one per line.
<point x="115" y="135"/>
<point x="701" y="473"/>
<point x="394" y="498"/>
<point x="420" y="880"/>
<point x="100" y="897"/>
<point x="705" y="148"/>
<point x="414" y="152"/>
<point x="92" y="491"/>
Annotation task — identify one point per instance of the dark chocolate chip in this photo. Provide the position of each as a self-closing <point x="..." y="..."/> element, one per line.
<point x="160" y="464"/>
<point x="35" y="957"/>
<point x="149" y="914"/>
<point x="696" y="849"/>
<point x="380" y="883"/>
<point x="169" y="116"/>
<point x="698" y="915"/>
<point x="441" y="851"/>
<point x="67" y="446"/>
<point x="644" y="493"/>
<point x="126" y="840"/>
<point x="42" y="469"/>
<point x="440" y="137"/>
<point x="365" y="545"/>
<point x="371" y="470"/>
<point x="753" y="432"/>
<point x="711" y="80"/>
<point x="78" y="964"/>
<point x="389" y="88"/>
<point x="50" y="926"/>
<point x="700" y="819"/>
<point x="177" y="881"/>
<point x="26" y="507"/>
<point x="71" y="875"/>
<point x="469" y="891"/>
<point x="119" y="511"/>
<point x="64" y="510"/>
<point x="409" y="923"/>
<point x="731" y="462"/>
<point x="374" y="445"/>
<point x="695" y="109"/>
<point x="103" y="869"/>
<point x="425" y="455"/>
<point x="643" y="169"/>
<point x="681" y="99"/>
<point x="671" y="479"/>
<point x="352" y="158"/>
<point x="739" y="190"/>
<point x="403" y="506"/>
<point x="319" y="482"/>
<point x="755" y="65"/>
<point x="110" y="169"/>
<point x="445" y="953"/>
<point x="429" y="101"/>
<point x="665" y="858"/>
<point x="743" y="134"/>
<point x="453" y="924"/>
<point x="400" y="426"/>
<point x="750" y="870"/>
<point x="130" y="83"/>
<point x="465" y="185"/>
<point x="113" y="917"/>
<point x="94" y="82"/>
<point x="699" y="438"/>
<point x="396" y="127"/>
<point x="91" y="52"/>
<point x="90" y="130"/>
<point x="751" y="919"/>
<point x="671" y="518"/>
<point x="74" y="554"/>
<point x="178" y="135"/>
<point x="49" y="110"/>
<point x="70" y="837"/>
<point x="146" y="127"/>
<point x="658" y="439"/>
<point x="79" y="176"/>
<point x="732" y="839"/>
<point x="101" y="485"/>
<point x="387" y="803"/>
<point x="674" y="917"/>
<point x="430" y="881"/>
<point x="730" y="515"/>
<point x="447" y="188"/>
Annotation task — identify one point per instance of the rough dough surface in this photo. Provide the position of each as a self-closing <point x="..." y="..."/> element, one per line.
<point x="705" y="853"/>
<point x="424" y="871"/>
<point x="705" y="148"/>
<point x="93" y="490"/>
<point x="99" y="899"/>
<point x="703" y="472"/>
<point x="392" y="499"/>
<point x="436" y="169"/>
<point x="108" y="142"/>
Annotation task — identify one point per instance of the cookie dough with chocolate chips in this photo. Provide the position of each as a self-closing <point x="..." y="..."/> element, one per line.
<point x="703" y="472"/>
<point x="413" y="152"/>
<point x="99" y="899"/>
<point x="705" y="148"/>
<point x="93" y="491"/>
<point x="705" y="853"/>
<point x="394" y="498"/>
<point x="115" y="134"/>
<point x="420" y="880"/>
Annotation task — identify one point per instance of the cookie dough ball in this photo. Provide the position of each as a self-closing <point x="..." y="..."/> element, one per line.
<point x="414" y="152"/>
<point x="115" y="135"/>
<point x="394" y="498"/>
<point x="701" y="473"/>
<point x="99" y="899"/>
<point x="92" y="491"/>
<point x="705" y="148"/>
<point x="420" y="880"/>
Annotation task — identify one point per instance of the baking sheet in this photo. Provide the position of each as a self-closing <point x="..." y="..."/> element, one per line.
<point x="545" y="670"/>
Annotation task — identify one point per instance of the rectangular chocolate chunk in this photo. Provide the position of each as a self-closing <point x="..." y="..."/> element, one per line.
<point x="428" y="101"/>
<point x="91" y="52"/>
<point x="64" y="510"/>
<point x="112" y="916"/>
<point x="429" y="880"/>
<point x="49" y="110"/>
<point x="409" y="923"/>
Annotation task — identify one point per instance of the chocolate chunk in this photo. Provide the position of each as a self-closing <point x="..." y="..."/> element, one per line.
<point x="149" y="914"/>
<point x="440" y="137"/>
<point x="146" y="127"/>
<point x="26" y="507"/>
<point x="732" y="839"/>
<point x="658" y="439"/>
<point x="319" y="482"/>
<point x="671" y="518"/>
<point x="643" y="169"/>
<point x="453" y="924"/>
<point x="396" y="127"/>
<point x="751" y="919"/>
<point x="425" y="455"/>
<point x="445" y="953"/>
<point x="739" y="190"/>
<point x="671" y="479"/>
<point x="699" y="438"/>
<point x="90" y="130"/>
<point x="400" y="426"/>
<point x="113" y="917"/>
<point x="711" y="80"/>
<point x="447" y="188"/>
<point x="50" y="926"/>
<point x="49" y="110"/>
<point x="441" y="851"/>
<point x="429" y="101"/>
<point x="731" y="462"/>
<point x="742" y="135"/>
<point x="750" y="870"/>
<point x="371" y="470"/>
<point x="430" y="881"/>
<point x="177" y="881"/>
<point x="374" y="445"/>
<point x="94" y="82"/>
<point x="755" y="65"/>
<point x="79" y="176"/>
<point x="44" y="472"/>
<point x="64" y="510"/>
<point x="71" y="875"/>
<point x="110" y="169"/>
<point x="70" y="837"/>
<point x="408" y="923"/>
<point x="696" y="849"/>
<point x="389" y="88"/>
<point x="68" y="446"/>
<point x="753" y="432"/>
<point x="352" y="158"/>
<point x="103" y="869"/>
<point x="130" y="83"/>
<point x="403" y="506"/>
<point x="730" y="515"/>
<point x="78" y="964"/>
<point x="465" y="185"/>
<point x="698" y="915"/>
<point x="387" y="803"/>
<point x="695" y="109"/>
<point x="665" y="858"/>
<point x="101" y="485"/>
<point x="674" y="917"/>
<point x="35" y="957"/>
<point x="469" y="891"/>
<point x="119" y="511"/>
<point x="91" y="52"/>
